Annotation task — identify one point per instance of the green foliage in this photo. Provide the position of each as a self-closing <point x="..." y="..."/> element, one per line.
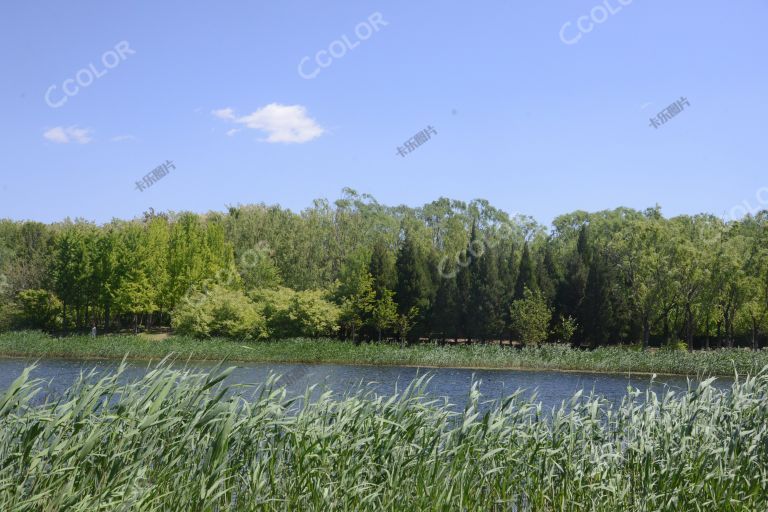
<point x="530" y="318"/>
<point x="384" y="312"/>
<point x="295" y="314"/>
<point x="178" y="440"/>
<point x="414" y="284"/>
<point x="678" y="345"/>
<point x="7" y="307"/>
<point x="355" y="294"/>
<point x="258" y="268"/>
<point x="622" y="275"/>
<point x="623" y="359"/>
<point x="564" y="329"/>
<point x="404" y="323"/>
<point x="38" y="308"/>
<point x="525" y="276"/>
<point x="220" y="312"/>
<point x="382" y="268"/>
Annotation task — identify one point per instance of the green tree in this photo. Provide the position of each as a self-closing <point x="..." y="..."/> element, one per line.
<point x="258" y="268"/>
<point x="525" y="275"/>
<point x="531" y="317"/>
<point x="71" y="270"/>
<point x="382" y="268"/>
<point x="644" y="259"/>
<point x="384" y="312"/>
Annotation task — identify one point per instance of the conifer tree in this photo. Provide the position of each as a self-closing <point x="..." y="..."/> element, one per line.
<point x="525" y="275"/>
<point x="413" y="279"/>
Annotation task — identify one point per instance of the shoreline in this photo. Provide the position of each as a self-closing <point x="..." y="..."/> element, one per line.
<point x="616" y="360"/>
<point x="147" y="358"/>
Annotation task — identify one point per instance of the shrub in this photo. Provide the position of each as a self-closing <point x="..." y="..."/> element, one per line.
<point x="38" y="309"/>
<point x="292" y="313"/>
<point x="530" y="317"/>
<point x="220" y="312"/>
<point x="313" y="315"/>
<point x="675" y="345"/>
<point x="564" y="329"/>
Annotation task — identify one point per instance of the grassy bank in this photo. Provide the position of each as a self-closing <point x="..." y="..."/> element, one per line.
<point x="177" y="441"/>
<point x="614" y="359"/>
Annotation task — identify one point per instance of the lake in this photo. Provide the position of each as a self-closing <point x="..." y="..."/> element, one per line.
<point x="551" y="387"/>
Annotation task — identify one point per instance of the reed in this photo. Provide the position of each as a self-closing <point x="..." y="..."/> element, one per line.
<point x="178" y="440"/>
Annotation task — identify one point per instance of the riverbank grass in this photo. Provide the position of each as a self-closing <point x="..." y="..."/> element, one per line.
<point x="305" y="350"/>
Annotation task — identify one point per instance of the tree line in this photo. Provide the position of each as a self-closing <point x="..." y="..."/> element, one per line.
<point x="354" y="268"/>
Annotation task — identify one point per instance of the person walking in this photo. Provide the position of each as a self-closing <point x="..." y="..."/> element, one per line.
<point x="93" y="331"/>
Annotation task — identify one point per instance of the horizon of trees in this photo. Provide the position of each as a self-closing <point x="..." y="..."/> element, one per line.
<point x="449" y="270"/>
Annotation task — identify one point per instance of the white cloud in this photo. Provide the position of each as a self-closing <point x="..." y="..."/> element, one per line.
<point x="224" y="113"/>
<point x="282" y="123"/>
<point x="61" y="135"/>
<point x="123" y="138"/>
<point x="232" y="131"/>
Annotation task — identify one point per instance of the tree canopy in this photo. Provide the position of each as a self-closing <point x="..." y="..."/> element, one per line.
<point x="359" y="269"/>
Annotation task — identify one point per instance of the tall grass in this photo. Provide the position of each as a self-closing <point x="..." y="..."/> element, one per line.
<point x="306" y="350"/>
<point x="182" y="441"/>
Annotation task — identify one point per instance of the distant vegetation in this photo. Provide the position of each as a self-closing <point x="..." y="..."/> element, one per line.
<point x="313" y="350"/>
<point x="179" y="441"/>
<point x="356" y="269"/>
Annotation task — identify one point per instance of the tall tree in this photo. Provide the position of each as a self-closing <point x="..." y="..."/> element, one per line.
<point x="413" y="278"/>
<point x="525" y="276"/>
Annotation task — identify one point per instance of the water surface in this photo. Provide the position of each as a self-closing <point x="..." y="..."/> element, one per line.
<point x="550" y="387"/>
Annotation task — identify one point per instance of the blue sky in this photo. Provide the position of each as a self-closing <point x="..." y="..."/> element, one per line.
<point x="523" y="119"/>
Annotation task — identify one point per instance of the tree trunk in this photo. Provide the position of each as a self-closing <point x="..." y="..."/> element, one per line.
<point x="728" y="329"/>
<point x="718" y="334"/>
<point x="754" y="334"/>
<point x="731" y="336"/>
<point x="646" y="332"/>
<point x="706" y="328"/>
<point x="689" y="327"/>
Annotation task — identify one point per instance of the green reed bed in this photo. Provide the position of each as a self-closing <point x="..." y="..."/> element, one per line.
<point x="306" y="350"/>
<point x="176" y="440"/>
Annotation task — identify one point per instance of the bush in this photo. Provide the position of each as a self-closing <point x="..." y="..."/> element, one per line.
<point x="530" y="318"/>
<point x="675" y="346"/>
<point x="313" y="315"/>
<point x="38" y="309"/>
<point x="220" y="312"/>
<point x="297" y="314"/>
<point x="564" y="329"/>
